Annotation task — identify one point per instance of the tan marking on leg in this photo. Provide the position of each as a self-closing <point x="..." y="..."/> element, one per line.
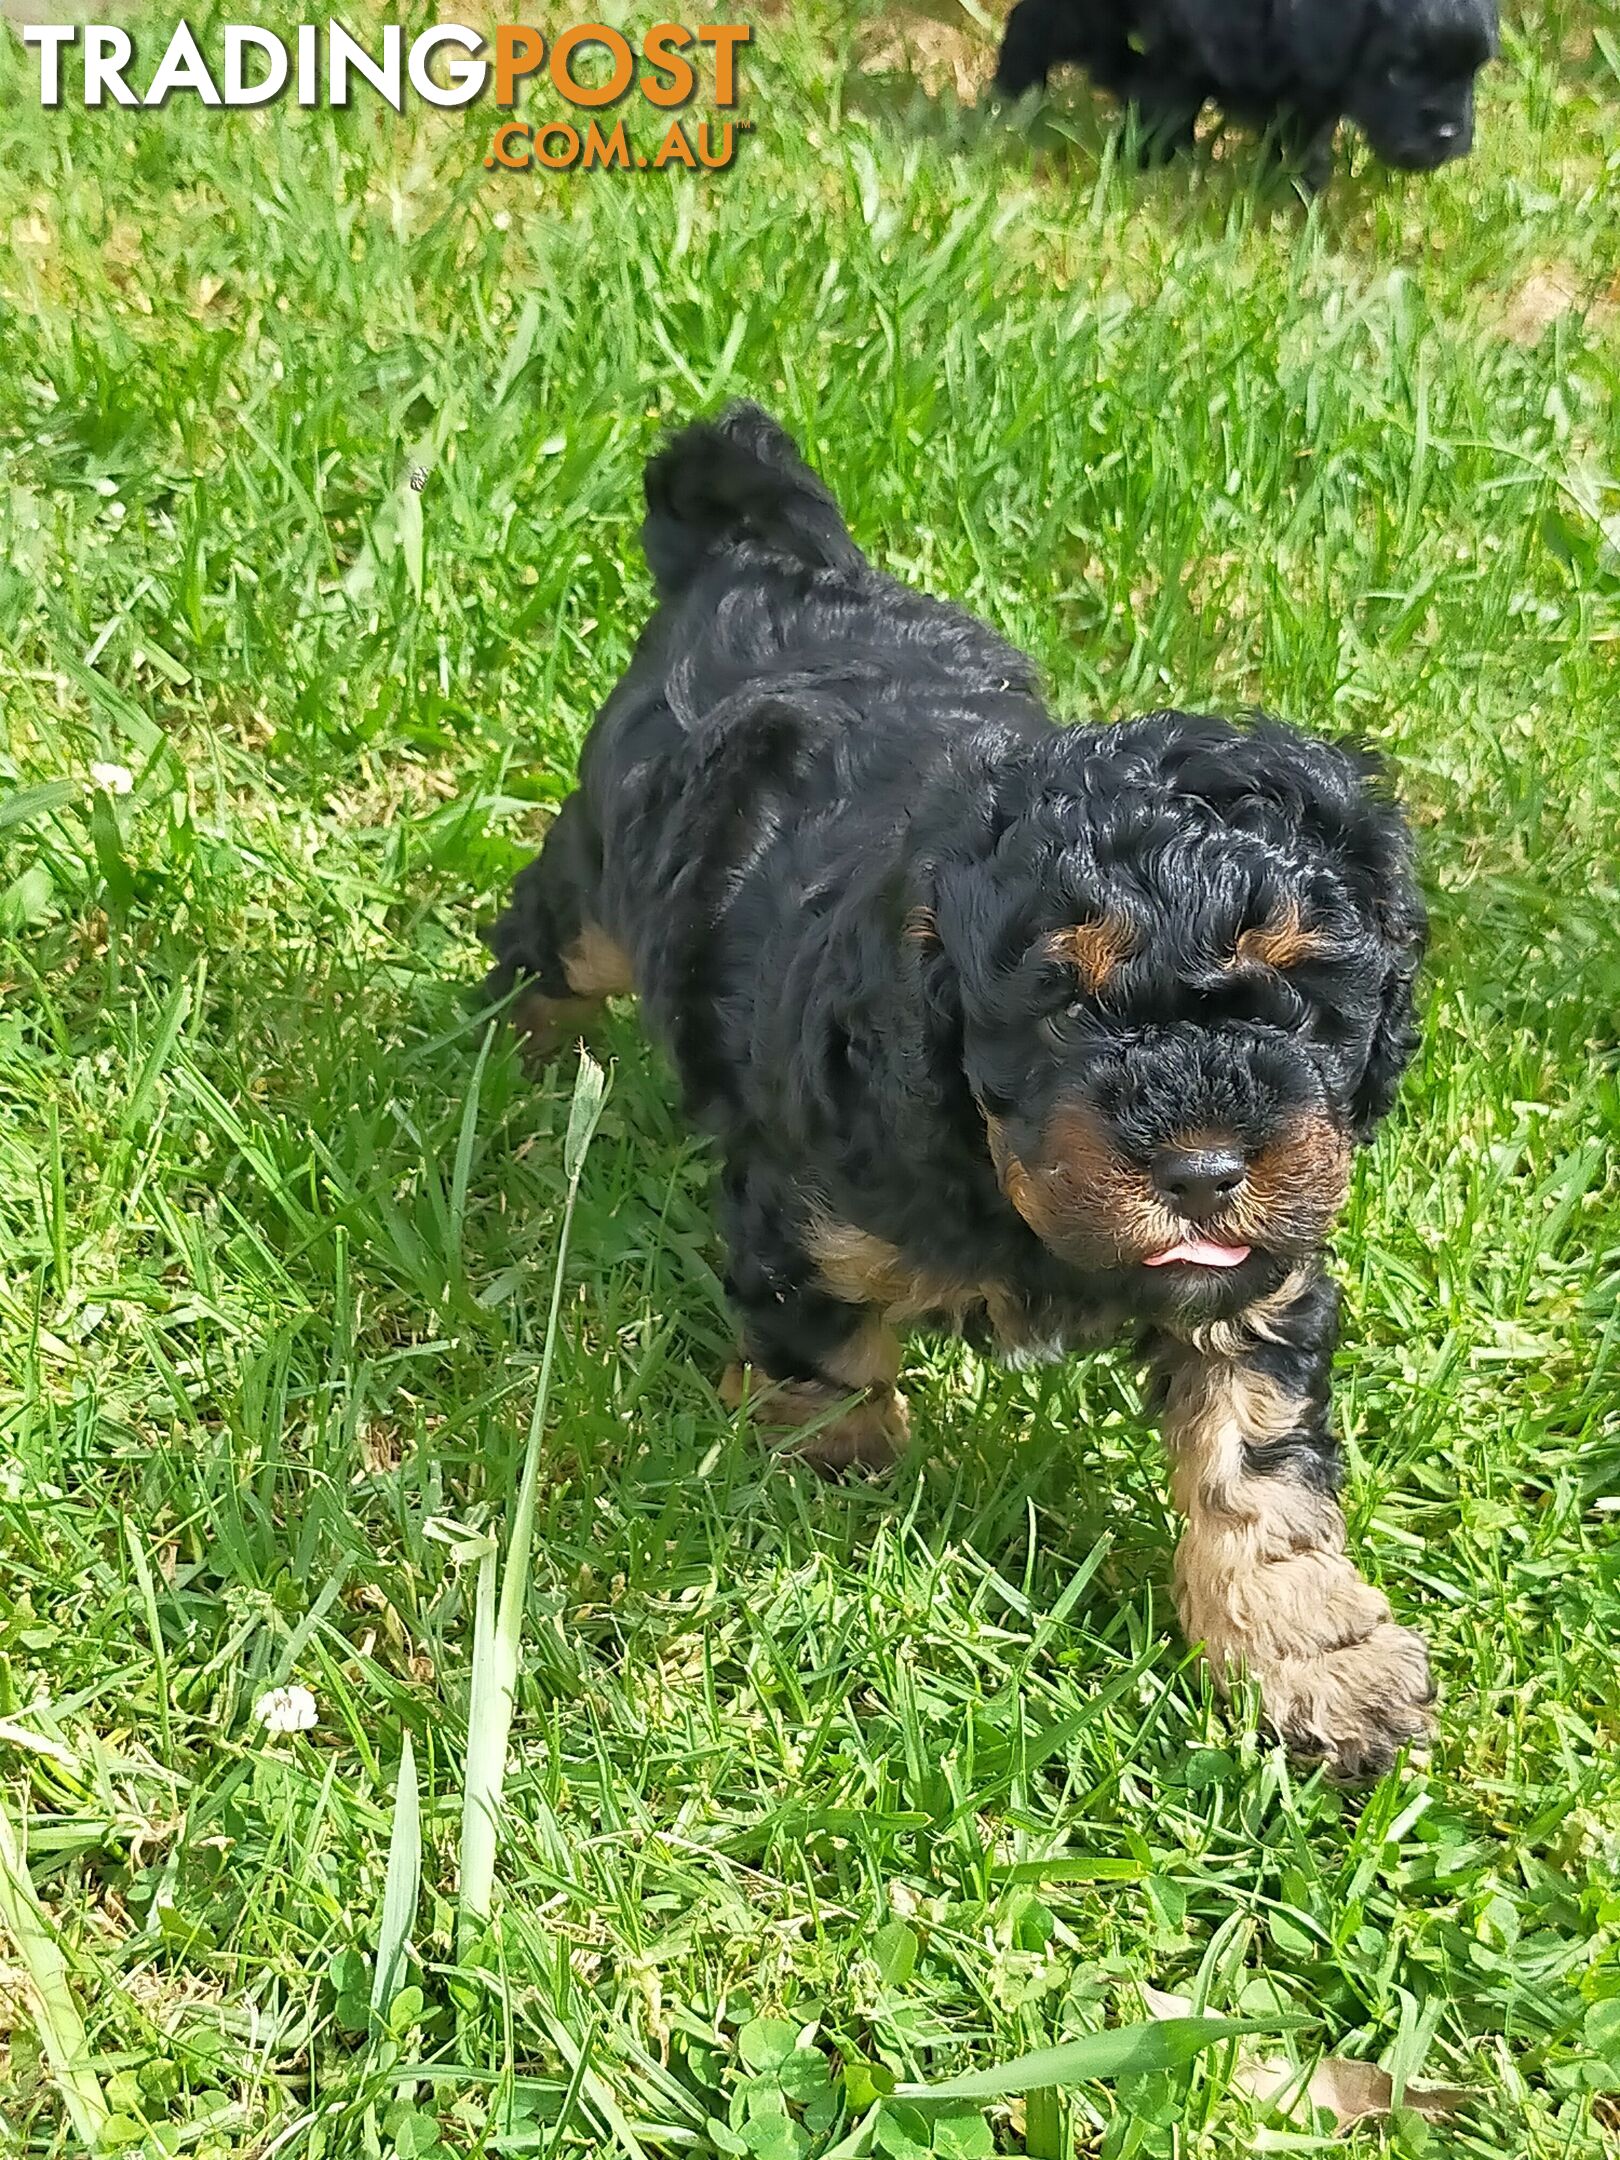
<point x="597" y="966"/>
<point x="866" y="1435"/>
<point x="865" y="1270"/>
<point x="1264" y="1583"/>
<point x="862" y="1269"/>
<point x="871" y="1357"/>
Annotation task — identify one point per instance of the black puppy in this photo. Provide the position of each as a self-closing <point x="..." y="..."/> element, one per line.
<point x="1044" y="1034"/>
<point x="1402" y="70"/>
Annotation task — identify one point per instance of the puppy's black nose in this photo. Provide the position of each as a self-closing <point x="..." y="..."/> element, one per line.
<point x="1198" y="1181"/>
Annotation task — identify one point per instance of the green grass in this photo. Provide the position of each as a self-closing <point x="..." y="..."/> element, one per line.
<point x="921" y="1772"/>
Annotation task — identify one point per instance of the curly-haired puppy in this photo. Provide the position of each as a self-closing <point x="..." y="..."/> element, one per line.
<point x="1402" y="70"/>
<point x="1045" y="1034"/>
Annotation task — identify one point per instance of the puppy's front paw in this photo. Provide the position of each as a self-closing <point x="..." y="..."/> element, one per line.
<point x="801" y="1418"/>
<point x="1356" y="1704"/>
<point x="871" y="1436"/>
<point x="546" y="1025"/>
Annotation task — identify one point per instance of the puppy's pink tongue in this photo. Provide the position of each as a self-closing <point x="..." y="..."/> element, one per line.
<point x="1202" y="1252"/>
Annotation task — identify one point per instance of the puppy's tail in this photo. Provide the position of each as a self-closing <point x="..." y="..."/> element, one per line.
<point x="722" y="484"/>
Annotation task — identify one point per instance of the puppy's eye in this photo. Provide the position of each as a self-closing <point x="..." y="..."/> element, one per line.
<point x="1325" y="1026"/>
<point x="1071" y="1025"/>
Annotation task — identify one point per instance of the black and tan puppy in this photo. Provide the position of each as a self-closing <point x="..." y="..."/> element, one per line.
<point x="1047" y="1034"/>
<point x="1402" y="70"/>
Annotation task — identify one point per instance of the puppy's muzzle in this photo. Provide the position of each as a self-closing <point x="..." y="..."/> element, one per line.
<point x="1096" y="1208"/>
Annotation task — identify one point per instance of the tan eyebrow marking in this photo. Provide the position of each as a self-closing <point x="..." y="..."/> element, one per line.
<point x="1095" y="948"/>
<point x="1281" y="945"/>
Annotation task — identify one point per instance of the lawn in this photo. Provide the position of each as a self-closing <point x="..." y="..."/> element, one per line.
<point x="811" y="1788"/>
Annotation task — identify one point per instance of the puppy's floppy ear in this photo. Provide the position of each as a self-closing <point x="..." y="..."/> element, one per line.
<point x="947" y="906"/>
<point x="1266" y="50"/>
<point x="925" y="963"/>
<point x="1400" y="923"/>
<point x="1242" y="43"/>
<point x="1380" y="846"/>
<point x="1325" y="39"/>
<point x="1341" y="795"/>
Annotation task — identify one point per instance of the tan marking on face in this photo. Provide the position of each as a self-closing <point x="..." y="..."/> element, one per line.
<point x="1094" y="949"/>
<point x="1262" y="1578"/>
<point x="1026" y="1190"/>
<point x="597" y="965"/>
<point x="1281" y="944"/>
<point x="1087" y="1202"/>
<point x="865" y="1435"/>
<point x="1295" y="1188"/>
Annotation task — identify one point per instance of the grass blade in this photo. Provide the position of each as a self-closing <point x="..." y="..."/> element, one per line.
<point x="401" y="1885"/>
<point x="26" y="804"/>
<point x="461" y="1168"/>
<point x="56" y="2015"/>
<point x="1165" y="2044"/>
<point x="1044" y="2134"/>
<point x="154" y="1631"/>
<point x="486" y="1759"/>
<point x="590" y="1090"/>
<point x="411" y="536"/>
<point x="497" y="1635"/>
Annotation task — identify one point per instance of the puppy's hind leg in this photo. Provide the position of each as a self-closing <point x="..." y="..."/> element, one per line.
<point x="1263" y="1580"/>
<point x="551" y="939"/>
<point x="818" y="1372"/>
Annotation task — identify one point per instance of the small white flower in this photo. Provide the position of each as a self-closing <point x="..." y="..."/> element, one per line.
<point x="114" y="779"/>
<point x="286" y="1709"/>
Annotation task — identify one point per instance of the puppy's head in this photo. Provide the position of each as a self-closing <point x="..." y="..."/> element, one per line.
<point x="1411" y="88"/>
<point x="1181" y="960"/>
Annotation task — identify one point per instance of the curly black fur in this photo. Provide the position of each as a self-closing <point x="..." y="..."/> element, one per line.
<point x="833" y="827"/>
<point x="991" y="1012"/>
<point x="1402" y="70"/>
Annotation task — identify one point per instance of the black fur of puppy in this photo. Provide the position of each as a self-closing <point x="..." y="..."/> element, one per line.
<point x="1047" y="1034"/>
<point x="1402" y="70"/>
